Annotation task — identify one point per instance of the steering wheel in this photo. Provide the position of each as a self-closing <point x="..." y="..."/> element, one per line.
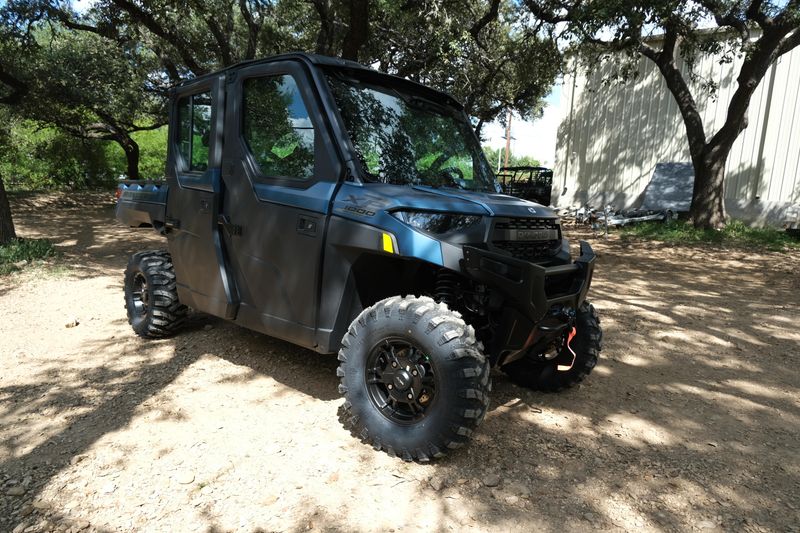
<point x="454" y="175"/>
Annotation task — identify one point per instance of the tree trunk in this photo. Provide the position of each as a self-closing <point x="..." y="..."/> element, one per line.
<point x="131" y="156"/>
<point x="358" y="33"/>
<point x="708" y="201"/>
<point x="326" y="27"/>
<point x="478" y="128"/>
<point x="7" y="232"/>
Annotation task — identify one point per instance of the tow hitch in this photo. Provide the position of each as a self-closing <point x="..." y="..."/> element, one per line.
<point x="567" y="353"/>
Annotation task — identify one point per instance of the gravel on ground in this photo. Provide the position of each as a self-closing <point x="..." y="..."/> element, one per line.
<point x="691" y="421"/>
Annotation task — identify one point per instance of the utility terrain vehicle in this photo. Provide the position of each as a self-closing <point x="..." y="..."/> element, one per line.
<point x="344" y="210"/>
<point x="529" y="183"/>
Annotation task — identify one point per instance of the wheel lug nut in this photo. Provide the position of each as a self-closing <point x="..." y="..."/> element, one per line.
<point x="410" y="396"/>
<point x="390" y="386"/>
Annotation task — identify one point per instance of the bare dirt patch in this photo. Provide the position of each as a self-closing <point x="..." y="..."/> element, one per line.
<point x="690" y="421"/>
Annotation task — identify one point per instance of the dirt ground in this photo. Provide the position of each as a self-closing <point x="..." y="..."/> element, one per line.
<point x="691" y="421"/>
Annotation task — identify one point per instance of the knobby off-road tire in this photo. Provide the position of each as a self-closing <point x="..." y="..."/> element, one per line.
<point x="452" y="363"/>
<point x="151" y="297"/>
<point x="544" y="376"/>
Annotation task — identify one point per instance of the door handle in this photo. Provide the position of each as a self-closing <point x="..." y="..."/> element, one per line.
<point x="233" y="230"/>
<point x="307" y="225"/>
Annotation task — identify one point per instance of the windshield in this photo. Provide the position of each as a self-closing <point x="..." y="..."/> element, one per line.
<point x="405" y="139"/>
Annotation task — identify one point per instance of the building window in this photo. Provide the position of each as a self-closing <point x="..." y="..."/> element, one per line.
<point x="194" y="130"/>
<point x="277" y="128"/>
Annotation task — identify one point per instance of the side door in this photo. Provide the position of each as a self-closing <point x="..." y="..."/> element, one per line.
<point x="197" y="113"/>
<point x="280" y="171"/>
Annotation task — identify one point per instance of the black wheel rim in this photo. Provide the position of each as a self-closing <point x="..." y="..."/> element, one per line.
<point x="401" y="381"/>
<point x="140" y="294"/>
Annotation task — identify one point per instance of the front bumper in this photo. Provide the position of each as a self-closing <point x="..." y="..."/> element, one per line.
<point x="533" y="289"/>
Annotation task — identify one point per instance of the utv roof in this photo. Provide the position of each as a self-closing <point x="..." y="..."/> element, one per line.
<point x="335" y="63"/>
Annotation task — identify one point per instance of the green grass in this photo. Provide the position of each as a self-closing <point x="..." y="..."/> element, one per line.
<point x="736" y="233"/>
<point x="28" y="250"/>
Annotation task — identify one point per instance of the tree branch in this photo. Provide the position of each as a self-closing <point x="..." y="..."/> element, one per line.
<point x="727" y="18"/>
<point x="468" y="103"/>
<point x="358" y="32"/>
<point x="149" y="21"/>
<point x="789" y="17"/>
<point x="151" y="127"/>
<point x="484" y="21"/>
<point x="18" y="88"/>
<point x="98" y="131"/>
<point x="789" y="42"/>
<point x="65" y="18"/>
<point x="754" y="13"/>
<point x="325" y="35"/>
<point x="170" y="67"/>
<point x="223" y="42"/>
<point x="253" y="29"/>
<point x="550" y="16"/>
<point x="665" y="61"/>
<point x="765" y="51"/>
<point x="670" y="45"/>
<point x="648" y="51"/>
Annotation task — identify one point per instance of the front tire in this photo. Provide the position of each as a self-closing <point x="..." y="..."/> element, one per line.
<point x="544" y="376"/>
<point x="151" y="295"/>
<point x="414" y="378"/>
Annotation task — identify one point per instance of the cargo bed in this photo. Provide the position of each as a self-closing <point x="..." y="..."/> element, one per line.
<point x="142" y="204"/>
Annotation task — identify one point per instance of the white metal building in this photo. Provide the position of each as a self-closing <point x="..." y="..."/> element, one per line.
<point x="611" y="137"/>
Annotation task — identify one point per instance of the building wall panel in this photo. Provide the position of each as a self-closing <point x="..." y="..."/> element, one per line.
<point x="612" y="135"/>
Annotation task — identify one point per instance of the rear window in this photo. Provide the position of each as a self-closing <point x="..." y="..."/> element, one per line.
<point x="194" y="130"/>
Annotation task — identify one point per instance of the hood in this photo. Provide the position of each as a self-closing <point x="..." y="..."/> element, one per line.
<point x="384" y="197"/>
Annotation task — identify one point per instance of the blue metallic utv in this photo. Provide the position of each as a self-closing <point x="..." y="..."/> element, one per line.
<point x="346" y="210"/>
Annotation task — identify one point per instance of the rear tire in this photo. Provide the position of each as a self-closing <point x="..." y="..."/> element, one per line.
<point x="412" y="347"/>
<point x="544" y="376"/>
<point x="151" y="295"/>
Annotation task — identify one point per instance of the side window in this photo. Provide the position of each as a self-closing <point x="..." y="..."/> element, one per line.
<point x="277" y="127"/>
<point x="194" y="130"/>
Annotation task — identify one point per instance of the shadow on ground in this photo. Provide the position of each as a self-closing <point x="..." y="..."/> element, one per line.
<point x="691" y="419"/>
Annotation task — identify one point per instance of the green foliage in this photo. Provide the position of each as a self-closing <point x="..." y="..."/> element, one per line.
<point x="36" y="157"/>
<point x="28" y="250"/>
<point x="506" y="64"/>
<point x="103" y="74"/>
<point x="152" y="157"/>
<point x="621" y="32"/>
<point x="153" y="152"/>
<point x="513" y="160"/>
<point x="88" y="86"/>
<point x="485" y="53"/>
<point x="736" y="233"/>
<point x="84" y="84"/>
<point x="198" y="37"/>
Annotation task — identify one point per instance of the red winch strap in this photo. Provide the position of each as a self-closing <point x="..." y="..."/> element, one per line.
<point x="564" y="368"/>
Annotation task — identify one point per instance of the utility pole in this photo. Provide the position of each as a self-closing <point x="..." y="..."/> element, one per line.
<point x="508" y="137"/>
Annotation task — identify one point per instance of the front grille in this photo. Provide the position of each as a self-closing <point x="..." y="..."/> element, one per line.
<point x="526" y="223"/>
<point x="529" y="251"/>
<point x="529" y="239"/>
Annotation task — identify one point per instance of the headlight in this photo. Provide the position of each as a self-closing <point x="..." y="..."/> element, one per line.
<point x="436" y="222"/>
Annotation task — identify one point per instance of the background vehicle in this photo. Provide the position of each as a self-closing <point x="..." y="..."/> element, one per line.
<point x="529" y="183"/>
<point x="341" y="209"/>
